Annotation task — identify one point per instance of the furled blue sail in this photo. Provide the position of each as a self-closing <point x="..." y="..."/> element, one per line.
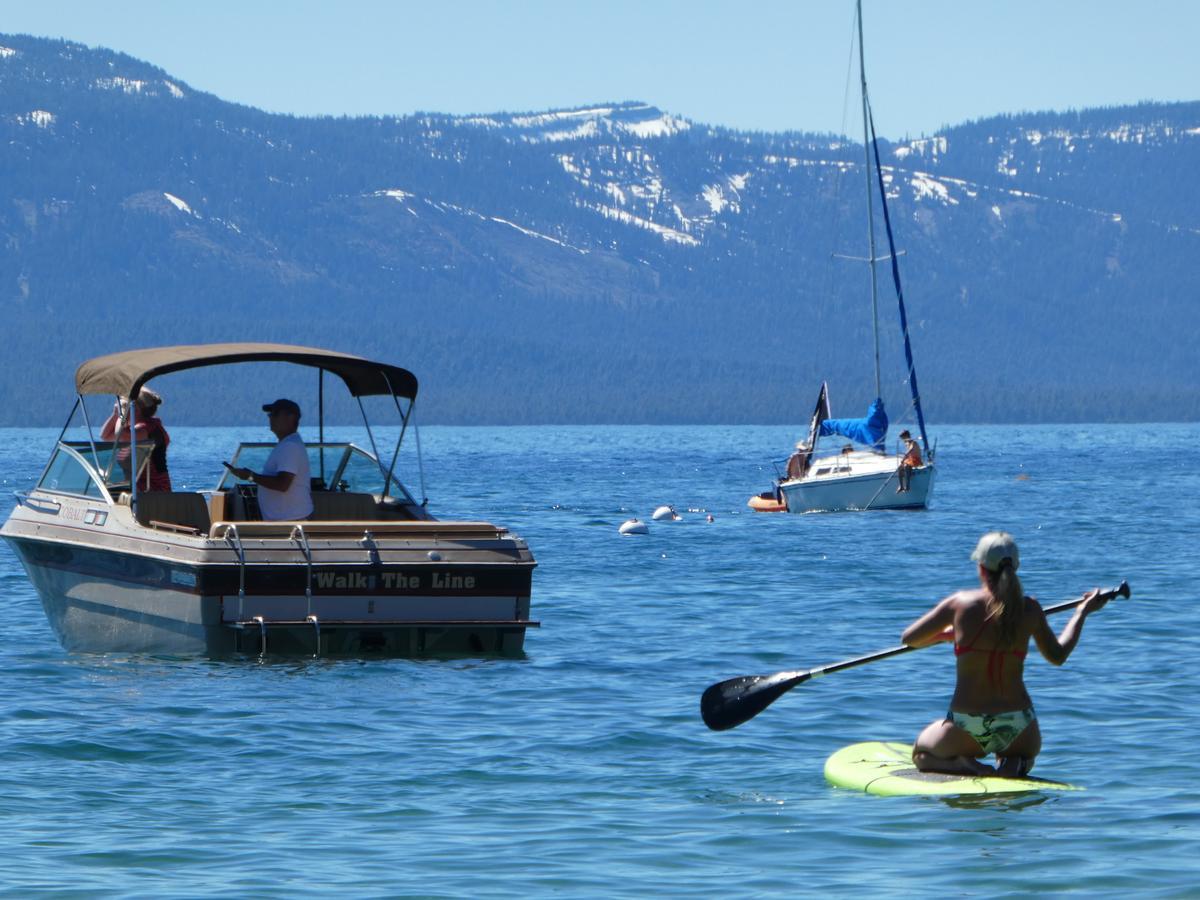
<point x="870" y="430"/>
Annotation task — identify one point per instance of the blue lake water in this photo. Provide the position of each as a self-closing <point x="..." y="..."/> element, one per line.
<point x="584" y="769"/>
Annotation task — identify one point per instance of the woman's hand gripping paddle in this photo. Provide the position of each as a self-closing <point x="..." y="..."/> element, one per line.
<point x="728" y="704"/>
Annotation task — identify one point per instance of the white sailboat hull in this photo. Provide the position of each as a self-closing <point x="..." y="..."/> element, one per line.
<point x="856" y="481"/>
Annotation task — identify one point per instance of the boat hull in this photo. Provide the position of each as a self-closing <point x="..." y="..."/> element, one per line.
<point x="185" y="600"/>
<point x="862" y="490"/>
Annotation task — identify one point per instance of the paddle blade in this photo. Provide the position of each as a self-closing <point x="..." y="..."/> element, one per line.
<point x="728" y="704"/>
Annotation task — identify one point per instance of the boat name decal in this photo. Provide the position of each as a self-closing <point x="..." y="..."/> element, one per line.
<point x="392" y="581"/>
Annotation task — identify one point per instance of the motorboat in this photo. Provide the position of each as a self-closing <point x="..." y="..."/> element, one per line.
<point x="122" y="569"/>
<point x="864" y="473"/>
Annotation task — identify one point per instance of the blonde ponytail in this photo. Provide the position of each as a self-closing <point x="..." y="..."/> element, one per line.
<point x="1006" y="599"/>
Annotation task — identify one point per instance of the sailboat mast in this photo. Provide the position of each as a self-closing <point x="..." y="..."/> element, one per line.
<point x="862" y="69"/>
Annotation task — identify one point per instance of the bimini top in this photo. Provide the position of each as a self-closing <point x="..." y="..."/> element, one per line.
<point x="124" y="373"/>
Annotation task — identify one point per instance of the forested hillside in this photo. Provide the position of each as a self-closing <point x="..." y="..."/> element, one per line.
<point x="606" y="264"/>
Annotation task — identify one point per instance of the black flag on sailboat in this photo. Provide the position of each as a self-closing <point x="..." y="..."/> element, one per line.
<point x="820" y="414"/>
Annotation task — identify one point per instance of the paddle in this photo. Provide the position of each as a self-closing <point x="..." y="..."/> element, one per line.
<point x="729" y="703"/>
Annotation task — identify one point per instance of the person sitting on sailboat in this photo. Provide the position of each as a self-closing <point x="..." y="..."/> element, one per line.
<point x="797" y="463"/>
<point x="912" y="460"/>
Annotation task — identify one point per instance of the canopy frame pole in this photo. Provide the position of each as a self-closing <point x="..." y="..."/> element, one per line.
<point x="321" y="421"/>
<point x="91" y="440"/>
<point x="133" y="460"/>
<point x="420" y="461"/>
<point x="66" y="425"/>
<point x="371" y="438"/>
<point x="387" y="481"/>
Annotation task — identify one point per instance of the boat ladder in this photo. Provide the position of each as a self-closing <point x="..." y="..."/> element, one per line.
<point x="264" y="625"/>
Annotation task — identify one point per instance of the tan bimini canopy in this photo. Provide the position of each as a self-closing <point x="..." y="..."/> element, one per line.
<point x="124" y="373"/>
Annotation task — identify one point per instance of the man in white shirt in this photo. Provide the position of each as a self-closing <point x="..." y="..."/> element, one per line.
<point x="284" y="485"/>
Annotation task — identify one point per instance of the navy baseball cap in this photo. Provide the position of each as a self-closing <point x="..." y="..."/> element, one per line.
<point x="282" y="405"/>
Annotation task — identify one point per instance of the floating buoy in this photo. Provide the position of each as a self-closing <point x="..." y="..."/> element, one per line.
<point x="634" y="526"/>
<point x="668" y="513"/>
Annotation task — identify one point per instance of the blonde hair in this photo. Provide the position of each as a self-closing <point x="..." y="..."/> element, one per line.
<point x="1006" y="598"/>
<point x="148" y="399"/>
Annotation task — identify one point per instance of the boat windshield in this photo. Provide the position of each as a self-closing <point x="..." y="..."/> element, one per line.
<point x="81" y="467"/>
<point x="334" y="467"/>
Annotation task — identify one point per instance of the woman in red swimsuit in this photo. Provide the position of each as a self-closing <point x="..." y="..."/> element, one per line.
<point x="991" y="711"/>
<point x="149" y="428"/>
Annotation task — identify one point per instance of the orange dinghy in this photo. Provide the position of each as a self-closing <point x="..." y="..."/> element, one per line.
<point x="767" y="502"/>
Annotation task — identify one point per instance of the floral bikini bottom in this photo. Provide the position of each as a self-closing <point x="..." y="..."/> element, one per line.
<point x="995" y="732"/>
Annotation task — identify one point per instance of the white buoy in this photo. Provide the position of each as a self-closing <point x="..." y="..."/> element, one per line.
<point x="668" y="513"/>
<point x="634" y="526"/>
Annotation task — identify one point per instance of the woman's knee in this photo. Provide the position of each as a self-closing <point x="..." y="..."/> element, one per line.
<point x="946" y="740"/>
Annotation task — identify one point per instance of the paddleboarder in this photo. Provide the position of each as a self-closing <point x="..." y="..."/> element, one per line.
<point x="991" y="711"/>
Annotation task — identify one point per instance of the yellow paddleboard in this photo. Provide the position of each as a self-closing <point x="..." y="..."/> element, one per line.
<point x="885" y="768"/>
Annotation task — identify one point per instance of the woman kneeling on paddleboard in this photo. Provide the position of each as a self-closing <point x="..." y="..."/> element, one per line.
<point x="991" y="711"/>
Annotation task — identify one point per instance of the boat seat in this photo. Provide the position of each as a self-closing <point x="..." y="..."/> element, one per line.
<point x="173" y="510"/>
<point x="339" y="506"/>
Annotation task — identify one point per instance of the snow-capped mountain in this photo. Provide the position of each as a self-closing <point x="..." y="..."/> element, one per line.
<point x="610" y="262"/>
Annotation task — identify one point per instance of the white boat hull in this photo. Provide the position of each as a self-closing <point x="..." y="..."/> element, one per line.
<point x="856" y="481"/>
<point x="119" y="588"/>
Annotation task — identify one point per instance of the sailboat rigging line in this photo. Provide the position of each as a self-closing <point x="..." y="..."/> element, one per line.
<point x="862" y="71"/>
<point x="908" y="356"/>
<point x="839" y="169"/>
<point x="888" y="481"/>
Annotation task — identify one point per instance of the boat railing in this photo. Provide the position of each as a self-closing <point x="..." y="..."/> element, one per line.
<point x="302" y="541"/>
<point x="234" y="539"/>
<point x="284" y="530"/>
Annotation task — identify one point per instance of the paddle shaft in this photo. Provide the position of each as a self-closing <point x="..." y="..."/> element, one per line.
<point x="729" y="703"/>
<point x="1120" y="590"/>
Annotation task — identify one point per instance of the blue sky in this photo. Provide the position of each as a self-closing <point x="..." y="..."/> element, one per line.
<point x="762" y="65"/>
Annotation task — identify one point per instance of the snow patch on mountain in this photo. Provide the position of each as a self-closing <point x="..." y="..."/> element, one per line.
<point x="620" y="215"/>
<point x="39" y="117"/>
<point x="932" y="147"/>
<point x="117" y="83"/>
<point x="583" y="130"/>
<point x="180" y="205"/>
<point x="663" y="126"/>
<point x="557" y="116"/>
<point x="538" y="234"/>
<point x="717" y="198"/>
<point x="926" y="186"/>
<point x="638" y="120"/>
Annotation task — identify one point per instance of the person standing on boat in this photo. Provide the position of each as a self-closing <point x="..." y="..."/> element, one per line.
<point x="991" y="711"/>
<point x="284" y="485"/>
<point x="149" y="428"/>
<point x="912" y="460"/>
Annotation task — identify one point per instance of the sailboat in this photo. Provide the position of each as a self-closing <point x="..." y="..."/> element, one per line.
<point x="862" y="474"/>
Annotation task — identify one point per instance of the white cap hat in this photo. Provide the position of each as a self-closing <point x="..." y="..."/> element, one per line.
<point x="995" y="547"/>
